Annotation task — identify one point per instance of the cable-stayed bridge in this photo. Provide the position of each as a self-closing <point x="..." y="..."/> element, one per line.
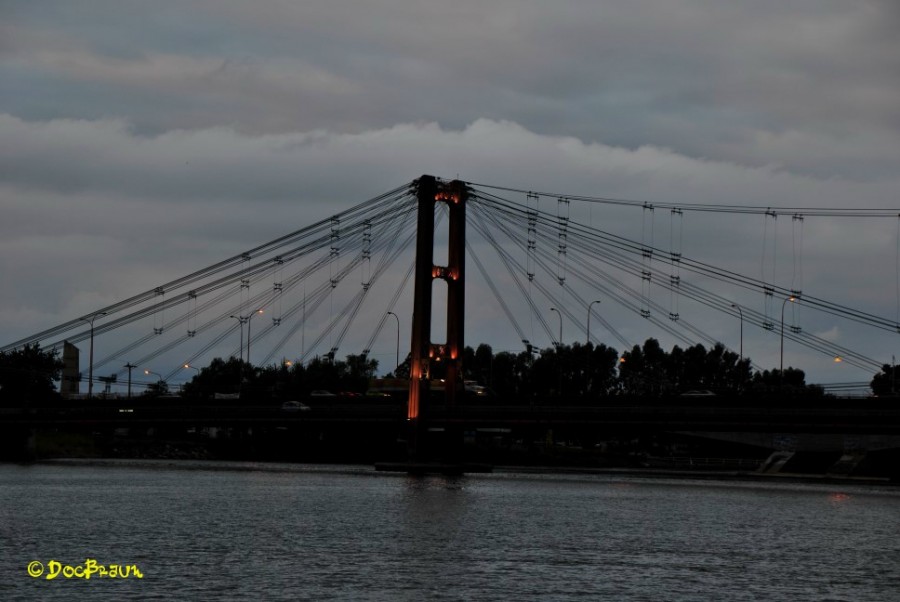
<point x="329" y="289"/>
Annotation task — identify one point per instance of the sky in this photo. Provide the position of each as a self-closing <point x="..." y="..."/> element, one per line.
<point x="142" y="140"/>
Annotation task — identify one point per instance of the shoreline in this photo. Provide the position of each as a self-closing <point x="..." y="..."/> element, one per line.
<point x="370" y="470"/>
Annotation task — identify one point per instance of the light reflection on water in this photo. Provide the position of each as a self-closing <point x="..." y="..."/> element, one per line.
<point x="238" y="531"/>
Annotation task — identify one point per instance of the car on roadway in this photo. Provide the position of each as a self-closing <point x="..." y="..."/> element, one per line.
<point x="322" y="393"/>
<point x="698" y="394"/>
<point x="294" y="406"/>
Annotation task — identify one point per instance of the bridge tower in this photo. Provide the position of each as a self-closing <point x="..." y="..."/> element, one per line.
<point x="424" y="354"/>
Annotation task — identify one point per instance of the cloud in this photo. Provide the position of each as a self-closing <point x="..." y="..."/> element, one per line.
<point x="809" y="86"/>
<point x="832" y="334"/>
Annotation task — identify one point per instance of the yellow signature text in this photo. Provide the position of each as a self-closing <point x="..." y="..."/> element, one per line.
<point x="90" y="569"/>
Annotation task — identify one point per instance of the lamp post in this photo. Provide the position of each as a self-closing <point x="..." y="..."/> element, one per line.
<point x="91" y="357"/>
<point x="591" y="304"/>
<point x="791" y="299"/>
<point x="189" y="367"/>
<point x="129" y="365"/>
<point x="390" y="313"/>
<point x="559" y="343"/>
<point x="158" y="376"/>
<point x="741" y="313"/>
<point x="240" y="320"/>
<point x="559" y="351"/>
<point x="256" y="313"/>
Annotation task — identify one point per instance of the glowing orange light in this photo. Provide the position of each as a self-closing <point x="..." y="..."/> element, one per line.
<point x="446" y="197"/>
<point x="412" y="408"/>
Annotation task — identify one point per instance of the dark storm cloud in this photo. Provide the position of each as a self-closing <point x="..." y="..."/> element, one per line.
<point x="808" y="85"/>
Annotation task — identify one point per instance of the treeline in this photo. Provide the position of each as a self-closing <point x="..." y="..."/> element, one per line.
<point x="589" y="372"/>
<point x="570" y="373"/>
<point x="285" y="381"/>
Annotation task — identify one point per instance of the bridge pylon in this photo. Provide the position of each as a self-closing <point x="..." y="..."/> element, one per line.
<point x="425" y="355"/>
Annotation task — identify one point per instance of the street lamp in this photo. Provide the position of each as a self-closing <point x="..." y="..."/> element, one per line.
<point x="256" y="313"/>
<point x="188" y="366"/>
<point x="559" y="351"/>
<point x="791" y="299"/>
<point x="158" y="382"/>
<point x="129" y="365"/>
<point x="589" y="320"/>
<point x="91" y="358"/>
<point x="390" y="313"/>
<point x="560" y="325"/>
<point x="741" y="313"/>
<point x="240" y="320"/>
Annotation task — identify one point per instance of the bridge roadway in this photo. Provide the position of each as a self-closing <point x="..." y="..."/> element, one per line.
<point x="708" y="417"/>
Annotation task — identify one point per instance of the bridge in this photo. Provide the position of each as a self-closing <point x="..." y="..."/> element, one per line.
<point x="336" y="285"/>
<point x="627" y="415"/>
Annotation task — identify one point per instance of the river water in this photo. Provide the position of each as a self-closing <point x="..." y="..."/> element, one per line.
<point x="236" y="531"/>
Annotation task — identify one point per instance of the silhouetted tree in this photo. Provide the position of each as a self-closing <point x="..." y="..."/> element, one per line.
<point x="601" y="371"/>
<point x="885" y="382"/>
<point x="792" y="383"/>
<point x="643" y="373"/>
<point x="27" y="375"/>
<point x="359" y="371"/>
<point x="220" y="376"/>
<point x="717" y="370"/>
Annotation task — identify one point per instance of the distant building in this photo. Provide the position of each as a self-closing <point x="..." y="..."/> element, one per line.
<point x="69" y="385"/>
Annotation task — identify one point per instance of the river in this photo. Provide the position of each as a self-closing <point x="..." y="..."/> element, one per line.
<point x="239" y="531"/>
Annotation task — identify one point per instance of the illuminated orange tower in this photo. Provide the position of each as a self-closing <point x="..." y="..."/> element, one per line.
<point x="422" y="350"/>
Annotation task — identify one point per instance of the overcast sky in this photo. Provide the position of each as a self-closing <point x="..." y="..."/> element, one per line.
<point x="142" y="140"/>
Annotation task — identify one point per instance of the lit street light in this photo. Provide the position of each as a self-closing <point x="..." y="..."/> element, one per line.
<point x="791" y="299"/>
<point x="159" y="382"/>
<point x="188" y="366"/>
<point x="390" y="313"/>
<point x="589" y="320"/>
<point x="91" y="358"/>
